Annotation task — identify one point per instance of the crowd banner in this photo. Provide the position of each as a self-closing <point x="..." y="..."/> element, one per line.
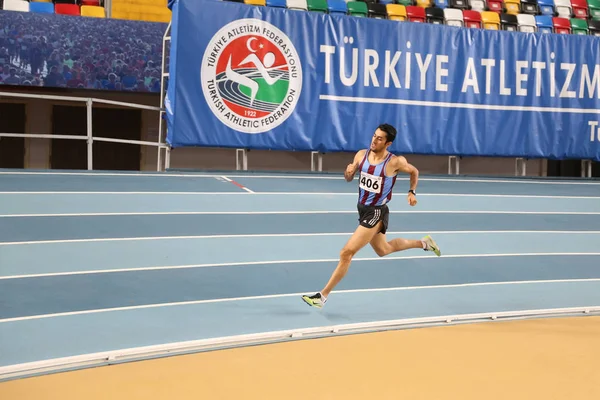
<point x="270" y="78"/>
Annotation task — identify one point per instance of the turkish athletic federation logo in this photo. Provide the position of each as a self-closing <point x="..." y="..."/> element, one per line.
<point x="251" y="76"/>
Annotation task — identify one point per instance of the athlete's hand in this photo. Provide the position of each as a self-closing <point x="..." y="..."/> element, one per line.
<point x="350" y="171"/>
<point x="412" y="200"/>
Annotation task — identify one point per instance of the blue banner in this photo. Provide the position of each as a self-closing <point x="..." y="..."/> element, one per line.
<point x="267" y="78"/>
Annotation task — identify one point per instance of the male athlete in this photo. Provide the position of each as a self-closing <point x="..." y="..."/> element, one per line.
<point x="378" y="169"/>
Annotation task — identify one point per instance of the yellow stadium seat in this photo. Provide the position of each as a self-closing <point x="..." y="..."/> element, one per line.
<point x="512" y="7"/>
<point x="424" y="3"/>
<point x="141" y="10"/>
<point x="396" y="12"/>
<point x="256" y="2"/>
<point x="491" y="20"/>
<point x="93" y="11"/>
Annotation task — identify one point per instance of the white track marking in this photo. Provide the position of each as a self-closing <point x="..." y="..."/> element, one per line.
<point x="331" y="260"/>
<point x="140" y="213"/>
<point x="263" y="235"/>
<point x="274" y="296"/>
<point x="517" y="196"/>
<point x="292" y="176"/>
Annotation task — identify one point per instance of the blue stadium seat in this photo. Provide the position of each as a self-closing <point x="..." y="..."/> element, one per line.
<point x="44" y="8"/>
<point x="544" y="23"/>
<point x="546" y="7"/>
<point x="441" y="3"/>
<point x="386" y="2"/>
<point x="337" y="7"/>
<point x="277" y="3"/>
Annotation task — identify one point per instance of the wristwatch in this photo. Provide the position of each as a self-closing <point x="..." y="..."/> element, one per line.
<point x="412" y="191"/>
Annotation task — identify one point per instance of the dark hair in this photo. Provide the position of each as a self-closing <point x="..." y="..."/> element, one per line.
<point x="389" y="130"/>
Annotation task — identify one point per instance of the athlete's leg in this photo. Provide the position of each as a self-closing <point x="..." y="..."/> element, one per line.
<point x="383" y="247"/>
<point x="359" y="239"/>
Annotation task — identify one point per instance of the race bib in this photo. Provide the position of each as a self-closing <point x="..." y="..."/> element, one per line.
<point x="370" y="183"/>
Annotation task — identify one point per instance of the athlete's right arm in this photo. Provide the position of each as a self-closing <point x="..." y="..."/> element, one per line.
<point x="352" y="168"/>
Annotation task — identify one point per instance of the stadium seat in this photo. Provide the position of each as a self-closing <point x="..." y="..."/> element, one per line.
<point x="297" y="5"/>
<point x="93" y="11"/>
<point x="41" y="7"/>
<point x="415" y="14"/>
<point x="512" y="7"/>
<point x="594" y="27"/>
<point x="396" y="12"/>
<point x="255" y="2"/>
<point x="424" y="3"/>
<point x="65" y="2"/>
<point x="441" y="3"/>
<point x="527" y="23"/>
<point x="317" y="5"/>
<point x="495" y="6"/>
<point x="563" y="8"/>
<point x="530" y="7"/>
<point x="90" y="3"/>
<point x="580" y="8"/>
<point x="477" y="5"/>
<point x="490" y="20"/>
<point x="376" y="10"/>
<point x="357" y="9"/>
<point x="67" y="9"/>
<point x="16" y="5"/>
<point x="509" y="22"/>
<point x="385" y="2"/>
<point x="472" y="19"/>
<point x="579" y="26"/>
<point x="406" y="2"/>
<point x="434" y="15"/>
<point x="337" y="7"/>
<point x="561" y="25"/>
<point x="460" y="4"/>
<point x="453" y="17"/>
<point x="143" y="10"/>
<point x="544" y="23"/>
<point x="280" y="3"/>
<point x="546" y="7"/>
<point x="594" y="9"/>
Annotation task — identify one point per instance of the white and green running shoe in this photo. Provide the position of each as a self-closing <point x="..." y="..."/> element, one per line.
<point x="431" y="245"/>
<point x="316" y="300"/>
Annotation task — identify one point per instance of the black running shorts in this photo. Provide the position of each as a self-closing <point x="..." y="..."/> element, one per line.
<point x="369" y="216"/>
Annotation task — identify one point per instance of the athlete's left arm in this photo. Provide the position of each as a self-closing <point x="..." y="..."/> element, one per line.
<point x="402" y="165"/>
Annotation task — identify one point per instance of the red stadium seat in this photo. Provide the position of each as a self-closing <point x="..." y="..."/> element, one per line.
<point x="580" y="8"/>
<point x="90" y="3"/>
<point x="496" y="6"/>
<point x="67" y="9"/>
<point x="472" y="19"/>
<point x="561" y="25"/>
<point x="415" y="13"/>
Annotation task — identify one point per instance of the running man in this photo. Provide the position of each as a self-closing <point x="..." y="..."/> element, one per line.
<point x="378" y="169"/>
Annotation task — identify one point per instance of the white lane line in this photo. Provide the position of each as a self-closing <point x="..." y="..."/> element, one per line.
<point x="292" y="176"/>
<point x="275" y="296"/>
<point x="254" y="193"/>
<point x="264" y="235"/>
<point x="288" y="212"/>
<point x="237" y="184"/>
<point x="324" y="260"/>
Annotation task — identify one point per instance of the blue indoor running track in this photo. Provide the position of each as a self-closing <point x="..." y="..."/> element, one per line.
<point x="102" y="267"/>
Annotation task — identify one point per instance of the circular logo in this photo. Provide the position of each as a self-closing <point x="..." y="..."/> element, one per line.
<point x="251" y="76"/>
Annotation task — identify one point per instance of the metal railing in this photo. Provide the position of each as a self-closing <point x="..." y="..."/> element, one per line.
<point x="89" y="137"/>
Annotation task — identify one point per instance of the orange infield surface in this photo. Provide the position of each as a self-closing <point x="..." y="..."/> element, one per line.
<point x="554" y="358"/>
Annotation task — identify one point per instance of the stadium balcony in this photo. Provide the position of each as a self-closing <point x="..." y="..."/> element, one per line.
<point x="565" y="16"/>
<point x="141" y="10"/>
